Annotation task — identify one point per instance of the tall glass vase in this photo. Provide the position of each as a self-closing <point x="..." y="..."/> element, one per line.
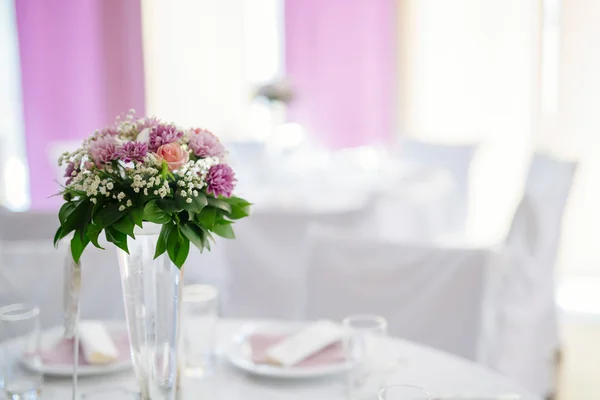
<point x="151" y="292"/>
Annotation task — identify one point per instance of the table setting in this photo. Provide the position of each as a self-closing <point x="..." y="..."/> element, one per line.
<point x="156" y="191"/>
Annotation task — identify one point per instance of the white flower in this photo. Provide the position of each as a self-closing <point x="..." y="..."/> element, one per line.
<point x="188" y="200"/>
<point x="110" y="186"/>
<point x="121" y="196"/>
<point x="93" y="200"/>
<point x="145" y="192"/>
<point x="129" y="203"/>
<point x="195" y="193"/>
<point x="144" y="136"/>
<point x="183" y="193"/>
<point x="121" y="208"/>
<point x="137" y="190"/>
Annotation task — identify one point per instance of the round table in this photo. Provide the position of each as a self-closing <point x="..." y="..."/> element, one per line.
<point x="441" y="373"/>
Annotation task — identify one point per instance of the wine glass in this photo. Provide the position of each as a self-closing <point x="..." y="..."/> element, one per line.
<point x="403" y="392"/>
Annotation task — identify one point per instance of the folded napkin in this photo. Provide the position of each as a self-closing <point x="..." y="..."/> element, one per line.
<point x="61" y="353"/>
<point x="260" y="342"/>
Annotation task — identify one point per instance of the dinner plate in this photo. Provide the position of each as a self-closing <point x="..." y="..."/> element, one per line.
<point x="53" y="335"/>
<point x="239" y="354"/>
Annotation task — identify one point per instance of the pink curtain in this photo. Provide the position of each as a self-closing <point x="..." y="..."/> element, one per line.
<point x="340" y="56"/>
<point x="81" y="65"/>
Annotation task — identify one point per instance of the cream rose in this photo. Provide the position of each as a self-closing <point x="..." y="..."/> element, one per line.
<point x="174" y="155"/>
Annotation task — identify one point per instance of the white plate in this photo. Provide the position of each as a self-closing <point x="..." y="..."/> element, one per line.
<point x="240" y="355"/>
<point x="51" y="336"/>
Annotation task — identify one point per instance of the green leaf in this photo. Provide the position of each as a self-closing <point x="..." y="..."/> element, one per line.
<point x="97" y="207"/>
<point x="194" y="234"/>
<point x="224" y="230"/>
<point x="153" y="213"/>
<point x="78" y="245"/>
<point x="178" y="247"/>
<point x="108" y="215"/>
<point x="218" y="203"/>
<point x="93" y="231"/>
<point x="116" y="237"/>
<point x="238" y="212"/>
<point x="125" y="225"/>
<point x="65" y="211"/>
<point x="86" y="221"/>
<point x="161" y="244"/>
<point x="58" y="235"/>
<point x="169" y="206"/>
<point x="240" y="208"/>
<point x="75" y="217"/>
<point x="137" y="216"/>
<point x="198" y="203"/>
<point x="207" y="216"/>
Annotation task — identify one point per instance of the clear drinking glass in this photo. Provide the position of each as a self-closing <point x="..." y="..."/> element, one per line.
<point x="199" y="313"/>
<point x="364" y="346"/>
<point x="403" y="392"/>
<point x="21" y="359"/>
<point x="112" y="394"/>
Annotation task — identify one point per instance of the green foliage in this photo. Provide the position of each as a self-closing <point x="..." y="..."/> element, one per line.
<point x="181" y="222"/>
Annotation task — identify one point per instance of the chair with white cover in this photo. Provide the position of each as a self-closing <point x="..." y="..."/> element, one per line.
<point x="456" y="159"/>
<point x="267" y="262"/>
<point x="528" y="311"/>
<point x="32" y="270"/>
<point x="431" y="295"/>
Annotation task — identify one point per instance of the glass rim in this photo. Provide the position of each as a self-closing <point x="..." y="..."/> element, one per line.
<point x="110" y="390"/>
<point x="199" y="292"/>
<point x="383" y="390"/>
<point x="377" y="319"/>
<point x="27" y="312"/>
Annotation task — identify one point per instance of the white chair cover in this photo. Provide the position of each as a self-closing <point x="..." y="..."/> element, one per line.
<point x="528" y="314"/>
<point x="267" y="262"/>
<point x="420" y="205"/>
<point x="456" y="159"/>
<point x="431" y="295"/>
<point x="32" y="270"/>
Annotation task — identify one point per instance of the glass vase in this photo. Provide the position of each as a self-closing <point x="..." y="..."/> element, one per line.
<point x="151" y="293"/>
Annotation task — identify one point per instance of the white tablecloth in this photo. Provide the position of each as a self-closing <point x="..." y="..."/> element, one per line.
<point x="440" y="373"/>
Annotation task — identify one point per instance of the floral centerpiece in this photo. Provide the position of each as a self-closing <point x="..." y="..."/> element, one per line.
<point x="162" y="187"/>
<point x="147" y="170"/>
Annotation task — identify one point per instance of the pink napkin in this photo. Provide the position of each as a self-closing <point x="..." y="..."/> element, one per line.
<point x="260" y="342"/>
<point x="61" y="353"/>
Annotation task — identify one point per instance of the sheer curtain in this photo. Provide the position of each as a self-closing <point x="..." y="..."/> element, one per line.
<point x="468" y="74"/>
<point x="205" y="58"/>
<point x="573" y="127"/>
<point x="14" y="185"/>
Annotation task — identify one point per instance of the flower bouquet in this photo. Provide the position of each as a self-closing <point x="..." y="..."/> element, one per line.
<point x="162" y="187"/>
<point x="146" y="170"/>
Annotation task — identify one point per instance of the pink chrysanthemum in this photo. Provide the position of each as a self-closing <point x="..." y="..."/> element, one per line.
<point x="104" y="150"/>
<point x="133" y="151"/>
<point x="220" y="180"/>
<point x="69" y="172"/>
<point x="147" y="122"/>
<point x="163" y="134"/>
<point x="204" y="144"/>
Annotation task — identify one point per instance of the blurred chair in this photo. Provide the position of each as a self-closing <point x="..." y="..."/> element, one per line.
<point x="430" y="295"/>
<point x="267" y="262"/>
<point x="32" y="270"/>
<point x="420" y="206"/>
<point x="527" y="326"/>
<point x="456" y="159"/>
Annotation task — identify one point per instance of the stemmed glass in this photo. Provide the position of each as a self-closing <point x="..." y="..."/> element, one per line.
<point x="20" y="327"/>
<point x="403" y="392"/>
<point x="363" y="347"/>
